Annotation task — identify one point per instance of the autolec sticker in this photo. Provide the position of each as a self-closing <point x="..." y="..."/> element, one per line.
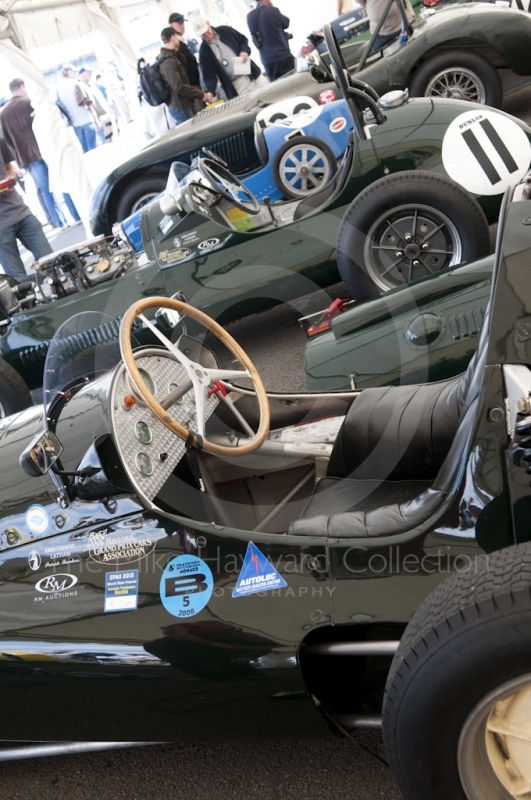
<point x="37" y="519"/>
<point x="119" y="547"/>
<point x="186" y="586"/>
<point x="121" y="591"/>
<point x="327" y="96"/>
<point x="337" y="124"/>
<point x="257" y="574"/>
<point x="485" y="152"/>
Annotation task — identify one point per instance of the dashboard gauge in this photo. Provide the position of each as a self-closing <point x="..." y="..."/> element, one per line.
<point x="146" y="377"/>
<point x="143" y="432"/>
<point x="144" y="464"/>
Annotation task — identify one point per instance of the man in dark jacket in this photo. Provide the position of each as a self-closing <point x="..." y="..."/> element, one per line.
<point x="176" y="21"/>
<point x="172" y="69"/>
<point x="224" y="60"/>
<point x="268" y="29"/>
<point x="17" y="126"/>
<point x="16" y="222"/>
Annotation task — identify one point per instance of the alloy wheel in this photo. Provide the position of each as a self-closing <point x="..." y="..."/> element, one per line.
<point x="410" y="242"/>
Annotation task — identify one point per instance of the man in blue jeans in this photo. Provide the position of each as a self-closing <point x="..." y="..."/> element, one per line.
<point x="17" y="127"/>
<point x="16" y="222"/>
<point x="72" y="95"/>
<point x="173" y="70"/>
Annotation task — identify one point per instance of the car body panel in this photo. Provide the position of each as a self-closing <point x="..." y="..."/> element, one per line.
<point x="70" y="670"/>
<point x="490" y="29"/>
<point x="426" y="332"/>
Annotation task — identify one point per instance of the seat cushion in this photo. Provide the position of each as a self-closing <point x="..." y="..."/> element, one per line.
<point x="346" y="508"/>
<point x="398" y="432"/>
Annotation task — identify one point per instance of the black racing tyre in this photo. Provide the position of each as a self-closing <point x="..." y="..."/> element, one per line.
<point x="458" y="74"/>
<point x="406" y="226"/>
<point x="138" y="193"/>
<point x="457" y="705"/>
<point x="303" y="166"/>
<point x="14" y="393"/>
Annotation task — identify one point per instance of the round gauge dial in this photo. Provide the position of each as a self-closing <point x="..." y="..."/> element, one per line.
<point x="143" y="432"/>
<point x="144" y="464"/>
<point x="146" y="377"/>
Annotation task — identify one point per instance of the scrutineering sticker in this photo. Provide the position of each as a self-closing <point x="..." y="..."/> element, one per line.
<point x="186" y="586"/>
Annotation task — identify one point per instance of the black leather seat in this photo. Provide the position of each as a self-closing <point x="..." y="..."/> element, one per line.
<point x="396" y="457"/>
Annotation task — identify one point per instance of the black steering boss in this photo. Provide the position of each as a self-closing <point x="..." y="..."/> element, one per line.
<point x="228" y="185"/>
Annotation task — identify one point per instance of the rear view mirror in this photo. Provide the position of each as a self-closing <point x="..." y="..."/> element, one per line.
<point x="41" y="454"/>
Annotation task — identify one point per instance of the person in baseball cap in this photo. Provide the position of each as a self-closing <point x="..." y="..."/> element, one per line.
<point x="176" y="21"/>
<point x="221" y="50"/>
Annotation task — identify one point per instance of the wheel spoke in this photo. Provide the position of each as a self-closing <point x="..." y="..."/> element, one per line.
<point x="432" y="233"/>
<point x="400" y="235"/>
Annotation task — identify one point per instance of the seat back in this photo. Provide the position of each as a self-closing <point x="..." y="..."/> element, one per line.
<point x="402" y="433"/>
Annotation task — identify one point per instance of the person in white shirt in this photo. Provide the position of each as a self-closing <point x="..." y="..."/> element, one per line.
<point x="74" y="99"/>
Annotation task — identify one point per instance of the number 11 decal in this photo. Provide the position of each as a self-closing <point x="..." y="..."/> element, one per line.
<point x="486" y="152"/>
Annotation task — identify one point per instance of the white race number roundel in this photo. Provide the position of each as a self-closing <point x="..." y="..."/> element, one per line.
<point x="485" y="152"/>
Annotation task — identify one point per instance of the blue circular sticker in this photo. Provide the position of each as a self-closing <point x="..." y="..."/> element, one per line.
<point x="186" y="586"/>
<point x="37" y="519"/>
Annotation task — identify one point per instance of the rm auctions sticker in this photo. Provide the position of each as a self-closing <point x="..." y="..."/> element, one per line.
<point x="337" y="124"/>
<point x="121" y="591"/>
<point x="37" y="519"/>
<point x="257" y="574"/>
<point x="186" y="586"/>
<point x="485" y="152"/>
<point x="327" y="96"/>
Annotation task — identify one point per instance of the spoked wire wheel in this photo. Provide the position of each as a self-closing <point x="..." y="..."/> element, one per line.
<point x="457" y="84"/>
<point x="303" y="167"/>
<point x="494" y="752"/>
<point x="410" y="242"/>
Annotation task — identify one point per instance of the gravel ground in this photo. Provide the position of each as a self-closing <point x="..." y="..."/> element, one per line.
<point x="302" y="771"/>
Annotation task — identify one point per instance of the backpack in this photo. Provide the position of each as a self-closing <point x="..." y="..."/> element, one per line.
<point x="153" y="88"/>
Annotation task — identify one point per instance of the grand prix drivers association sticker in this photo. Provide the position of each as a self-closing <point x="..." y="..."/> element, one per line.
<point x="37" y="519"/>
<point x="186" y="586"/>
<point x="485" y="152"/>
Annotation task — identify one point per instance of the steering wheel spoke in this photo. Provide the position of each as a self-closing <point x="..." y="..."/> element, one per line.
<point x="228" y="185"/>
<point x="203" y="380"/>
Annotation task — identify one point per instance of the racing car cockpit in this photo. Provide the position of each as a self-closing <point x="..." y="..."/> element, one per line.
<point x="186" y="426"/>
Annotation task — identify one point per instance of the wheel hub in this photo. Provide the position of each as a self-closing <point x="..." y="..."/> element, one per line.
<point x="494" y="753"/>
<point x="412" y="250"/>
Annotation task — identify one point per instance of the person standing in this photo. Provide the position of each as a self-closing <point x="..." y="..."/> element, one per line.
<point x="17" y="125"/>
<point x="223" y="51"/>
<point x="268" y="30"/>
<point x="72" y="95"/>
<point x="172" y="69"/>
<point x="393" y="21"/>
<point x="176" y="21"/>
<point x="16" y="222"/>
<point x="99" y="103"/>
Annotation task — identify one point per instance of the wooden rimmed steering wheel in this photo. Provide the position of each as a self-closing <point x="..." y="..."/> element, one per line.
<point x="201" y="379"/>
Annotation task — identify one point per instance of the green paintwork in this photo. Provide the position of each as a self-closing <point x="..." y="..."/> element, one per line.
<point x="378" y="343"/>
<point x="502" y="35"/>
<point x="237" y="670"/>
<point x="251" y="270"/>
